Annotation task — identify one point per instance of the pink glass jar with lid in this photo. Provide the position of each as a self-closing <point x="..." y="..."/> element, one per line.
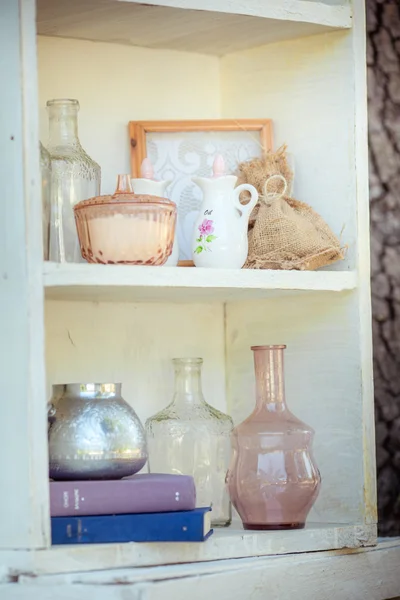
<point x="126" y="228"/>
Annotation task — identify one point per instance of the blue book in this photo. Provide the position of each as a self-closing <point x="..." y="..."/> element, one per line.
<point x="183" y="526"/>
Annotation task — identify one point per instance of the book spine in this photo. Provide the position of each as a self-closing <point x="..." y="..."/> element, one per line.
<point x="141" y="495"/>
<point x="185" y="526"/>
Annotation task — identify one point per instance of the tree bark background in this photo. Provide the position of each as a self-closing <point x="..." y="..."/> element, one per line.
<point x="383" y="24"/>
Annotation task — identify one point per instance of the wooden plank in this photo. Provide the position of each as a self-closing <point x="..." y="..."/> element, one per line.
<point x="78" y="592"/>
<point x="364" y="291"/>
<point x="128" y="283"/>
<point x="24" y="521"/>
<point x="333" y="14"/>
<point x="348" y="575"/>
<point x="213" y="27"/>
<point x="343" y="577"/>
<point x="160" y="573"/>
<point x="231" y="543"/>
<point x="209" y="125"/>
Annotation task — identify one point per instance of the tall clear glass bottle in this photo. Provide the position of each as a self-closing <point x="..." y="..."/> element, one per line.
<point x="45" y="170"/>
<point x="75" y="177"/>
<point x="190" y="437"/>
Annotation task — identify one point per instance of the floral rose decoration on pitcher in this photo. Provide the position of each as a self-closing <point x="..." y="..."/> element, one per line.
<point x="206" y="230"/>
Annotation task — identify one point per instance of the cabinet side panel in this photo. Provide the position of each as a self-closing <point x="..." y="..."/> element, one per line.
<point x="364" y="289"/>
<point x="24" y="521"/>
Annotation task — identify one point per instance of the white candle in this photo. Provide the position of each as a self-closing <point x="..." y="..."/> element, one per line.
<point x="147" y="169"/>
<point x="218" y="166"/>
<point x="127" y="238"/>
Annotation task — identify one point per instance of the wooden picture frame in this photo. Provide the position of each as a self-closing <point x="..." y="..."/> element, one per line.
<point x="177" y="155"/>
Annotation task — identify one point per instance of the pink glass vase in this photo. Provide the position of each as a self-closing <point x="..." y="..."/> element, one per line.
<point x="273" y="480"/>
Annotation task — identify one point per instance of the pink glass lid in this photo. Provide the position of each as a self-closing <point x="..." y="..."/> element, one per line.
<point x="124" y="194"/>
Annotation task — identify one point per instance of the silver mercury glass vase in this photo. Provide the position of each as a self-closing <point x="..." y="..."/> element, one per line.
<point x="93" y="433"/>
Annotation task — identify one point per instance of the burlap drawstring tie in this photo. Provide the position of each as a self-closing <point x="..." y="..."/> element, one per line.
<point x="267" y="196"/>
<point x="289" y="234"/>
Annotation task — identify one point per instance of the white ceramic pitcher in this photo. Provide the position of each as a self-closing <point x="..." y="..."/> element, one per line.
<point x="220" y="233"/>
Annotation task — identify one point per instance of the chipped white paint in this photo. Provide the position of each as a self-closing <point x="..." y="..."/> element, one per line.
<point x="23" y="447"/>
<point x="360" y="575"/>
<point x="210" y="26"/>
<point x="333" y="13"/>
<point x="224" y="544"/>
<point x="364" y="290"/>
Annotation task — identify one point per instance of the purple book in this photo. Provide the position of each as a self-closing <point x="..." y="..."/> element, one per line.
<point x="137" y="494"/>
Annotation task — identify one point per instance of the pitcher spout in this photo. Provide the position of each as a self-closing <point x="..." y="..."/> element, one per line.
<point x="199" y="181"/>
<point x="222" y="184"/>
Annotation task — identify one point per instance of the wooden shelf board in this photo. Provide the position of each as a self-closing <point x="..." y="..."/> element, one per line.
<point x="229" y="543"/>
<point x="119" y="283"/>
<point x="207" y="26"/>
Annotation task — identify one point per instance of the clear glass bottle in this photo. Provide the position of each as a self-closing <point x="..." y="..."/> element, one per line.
<point x="75" y="177"/>
<point x="273" y="479"/>
<point x="45" y="170"/>
<point x="190" y="437"/>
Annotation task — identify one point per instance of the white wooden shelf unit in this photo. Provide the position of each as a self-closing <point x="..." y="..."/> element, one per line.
<point x="299" y="62"/>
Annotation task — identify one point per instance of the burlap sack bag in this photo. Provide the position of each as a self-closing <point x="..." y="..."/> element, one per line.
<point x="288" y="234"/>
<point x="259" y="170"/>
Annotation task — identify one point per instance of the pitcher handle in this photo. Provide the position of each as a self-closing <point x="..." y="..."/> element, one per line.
<point x="245" y="209"/>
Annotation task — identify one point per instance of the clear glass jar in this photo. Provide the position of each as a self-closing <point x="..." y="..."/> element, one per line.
<point x="75" y="177"/>
<point x="190" y="437"/>
<point x="45" y="171"/>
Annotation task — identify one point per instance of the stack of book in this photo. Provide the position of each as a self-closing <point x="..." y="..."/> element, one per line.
<point x="141" y="508"/>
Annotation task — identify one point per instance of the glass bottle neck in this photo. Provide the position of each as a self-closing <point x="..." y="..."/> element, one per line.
<point x="188" y="382"/>
<point x="270" y="384"/>
<point x="63" y="124"/>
